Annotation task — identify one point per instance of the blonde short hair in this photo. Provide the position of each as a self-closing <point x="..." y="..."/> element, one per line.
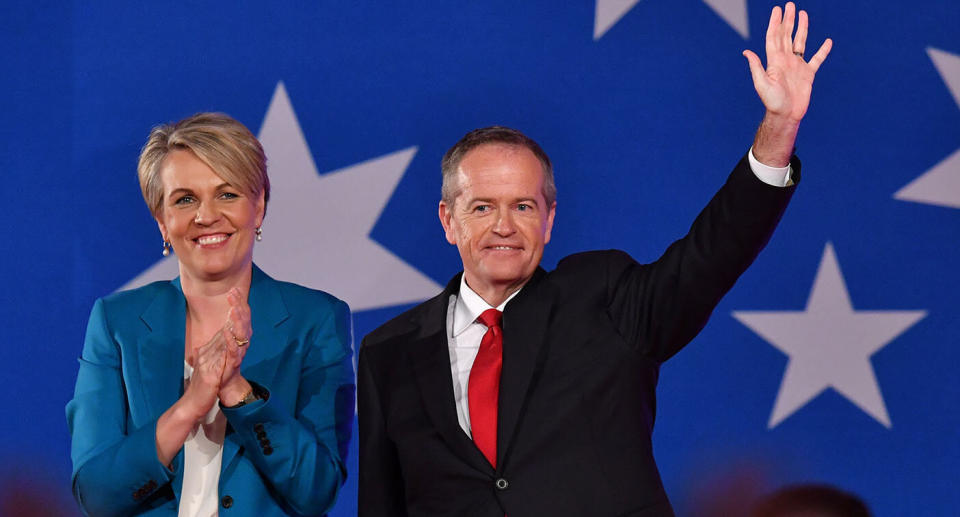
<point x="219" y="141"/>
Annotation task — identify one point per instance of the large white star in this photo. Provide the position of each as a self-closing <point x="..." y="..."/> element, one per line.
<point x="317" y="229"/>
<point x="941" y="184"/>
<point x="609" y="12"/>
<point x="829" y="344"/>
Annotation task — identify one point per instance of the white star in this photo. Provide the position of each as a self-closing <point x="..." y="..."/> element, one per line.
<point x="829" y="344"/>
<point x="609" y="12"/>
<point x="941" y="184"/>
<point x="317" y="229"/>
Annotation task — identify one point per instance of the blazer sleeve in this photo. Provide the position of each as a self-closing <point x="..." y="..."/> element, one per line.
<point x="660" y="307"/>
<point x="381" y="491"/>
<point x="302" y="456"/>
<point x="115" y="468"/>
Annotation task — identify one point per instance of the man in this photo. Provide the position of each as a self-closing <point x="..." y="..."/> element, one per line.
<point x="522" y="392"/>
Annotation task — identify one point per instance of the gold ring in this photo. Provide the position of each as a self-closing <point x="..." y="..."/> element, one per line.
<point x="241" y="342"/>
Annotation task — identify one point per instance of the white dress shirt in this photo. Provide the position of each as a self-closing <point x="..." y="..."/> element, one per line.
<point x="464" y="332"/>
<point x="202" y="456"/>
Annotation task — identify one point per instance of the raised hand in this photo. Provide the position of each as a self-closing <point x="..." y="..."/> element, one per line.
<point x="785" y="85"/>
<point x="239" y="329"/>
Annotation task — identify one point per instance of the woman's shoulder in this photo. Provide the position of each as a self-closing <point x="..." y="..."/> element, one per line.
<point x="299" y="298"/>
<point x="135" y="301"/>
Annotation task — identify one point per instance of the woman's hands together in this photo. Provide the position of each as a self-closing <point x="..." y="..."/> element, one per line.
<point x="216" y="368"/>
<point x="233" y="387"/>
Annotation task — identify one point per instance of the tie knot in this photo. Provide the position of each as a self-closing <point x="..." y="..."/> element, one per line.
<point x="491" y="318"/>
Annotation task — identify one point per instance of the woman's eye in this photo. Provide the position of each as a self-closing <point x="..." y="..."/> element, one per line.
<point x="229" y="195"/>
<point x="183" y="200"/>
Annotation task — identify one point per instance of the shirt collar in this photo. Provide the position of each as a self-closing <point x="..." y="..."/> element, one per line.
<point x="470" y="306"/>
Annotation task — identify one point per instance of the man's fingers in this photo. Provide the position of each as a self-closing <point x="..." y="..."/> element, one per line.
<point x="756" y="68"/>
<point x="787" y="31"/>
<point x="773" y="29"/>
<point x="800" y="41"/>
<point x="821" y="54"/>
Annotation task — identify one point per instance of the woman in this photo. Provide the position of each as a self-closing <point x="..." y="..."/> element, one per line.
<point x="224" y="388"/>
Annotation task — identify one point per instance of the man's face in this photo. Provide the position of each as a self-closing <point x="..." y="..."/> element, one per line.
<point x="499" y="220"/>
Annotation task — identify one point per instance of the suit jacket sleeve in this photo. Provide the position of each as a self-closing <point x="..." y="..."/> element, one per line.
<point x="660" y="307"/>
<point x="115" y="468"/>
<point x="381" y="491"/>
<point x="303" y="455"/>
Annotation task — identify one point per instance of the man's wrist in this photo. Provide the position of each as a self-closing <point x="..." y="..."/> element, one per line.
<point x="773" y="144"/>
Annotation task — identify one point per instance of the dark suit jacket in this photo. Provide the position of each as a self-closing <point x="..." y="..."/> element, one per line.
<point x="581" y="356"/>
<point x="281" y="456"/>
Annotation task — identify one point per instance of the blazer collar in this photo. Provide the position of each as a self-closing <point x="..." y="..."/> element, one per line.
<point x="524" y="322"/>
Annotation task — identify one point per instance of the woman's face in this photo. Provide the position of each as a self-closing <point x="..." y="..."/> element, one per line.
<point x="210" y="223"/>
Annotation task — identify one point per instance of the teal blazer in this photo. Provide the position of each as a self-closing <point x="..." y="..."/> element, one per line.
<point x="281" y="456"/>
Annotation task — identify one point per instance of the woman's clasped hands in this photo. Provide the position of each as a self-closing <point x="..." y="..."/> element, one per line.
<point x="216" y="363"/>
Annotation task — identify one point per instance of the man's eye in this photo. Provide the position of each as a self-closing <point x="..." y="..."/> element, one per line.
<point x="523" y="207"/>
<point x="481" y="208"/>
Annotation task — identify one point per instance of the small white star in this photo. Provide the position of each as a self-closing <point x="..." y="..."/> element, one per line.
<point x="829" y="345"/>
<point x="609" y="12"/>
<point x="317" y="229"/>
<point x="941" y="184"/>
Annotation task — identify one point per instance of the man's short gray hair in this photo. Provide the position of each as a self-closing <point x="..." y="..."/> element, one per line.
<point x="499" y="135"/>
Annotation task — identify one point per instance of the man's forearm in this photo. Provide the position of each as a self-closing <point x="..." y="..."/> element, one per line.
<point x="774" y="142"/>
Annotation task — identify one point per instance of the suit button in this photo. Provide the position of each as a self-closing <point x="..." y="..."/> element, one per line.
<point x="226" y="501"/>
<point x="267" y="450"/>
<point x="501" y="484"/>
<point x="258" y="428"/>
<point x="261" y="434"/>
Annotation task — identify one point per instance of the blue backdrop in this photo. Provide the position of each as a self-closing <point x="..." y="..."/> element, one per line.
<point x="834" y="359"/>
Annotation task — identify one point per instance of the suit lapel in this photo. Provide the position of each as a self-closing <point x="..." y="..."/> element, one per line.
<point x="525" y="321"/>
<point x="431" y="363"/>
<point x="267" y="312"/>
<point x="161" y="350"/>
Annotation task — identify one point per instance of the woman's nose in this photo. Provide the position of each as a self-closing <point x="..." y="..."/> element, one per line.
<point x="206" y="214"/>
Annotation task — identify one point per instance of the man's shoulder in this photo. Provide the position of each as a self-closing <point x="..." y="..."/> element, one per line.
<point x="406" y="324"/>
<point x="593" y="259"/>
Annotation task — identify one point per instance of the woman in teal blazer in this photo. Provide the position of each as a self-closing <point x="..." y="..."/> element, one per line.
<point x="224" y="390"/>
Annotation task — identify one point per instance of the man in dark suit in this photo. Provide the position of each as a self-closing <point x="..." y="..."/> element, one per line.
<point x="523" y="392"/>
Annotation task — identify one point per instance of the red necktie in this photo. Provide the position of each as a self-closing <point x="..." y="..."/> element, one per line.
<point x="484" y="386"/>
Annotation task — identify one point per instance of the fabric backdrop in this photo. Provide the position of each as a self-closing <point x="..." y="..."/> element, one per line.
<point x="833" y="360"/>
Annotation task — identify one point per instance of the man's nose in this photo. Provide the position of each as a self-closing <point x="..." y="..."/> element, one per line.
<point x="505" y="224"/>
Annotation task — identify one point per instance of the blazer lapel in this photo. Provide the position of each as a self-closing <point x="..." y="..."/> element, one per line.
<point x="431" y="363"/>
<point x="525" y="321"/>
<point x="267" y="312"/>
<point x="161" y="349"/>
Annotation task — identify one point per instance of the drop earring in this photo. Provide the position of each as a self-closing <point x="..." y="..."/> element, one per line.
<point x="166" y="249"/>
<point x="259" y="233"/>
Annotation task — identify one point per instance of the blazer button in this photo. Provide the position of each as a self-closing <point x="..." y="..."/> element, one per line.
<point x="258" y="427"/>
<point x="501" y="484"/>
<point x="267" y="450"/>
<point x="261" y="434"/>
<point x="226" y="501"/>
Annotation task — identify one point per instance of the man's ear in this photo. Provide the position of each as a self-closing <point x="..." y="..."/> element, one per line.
<point x="549" y="225"/>
<point x="445" y="212"/>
